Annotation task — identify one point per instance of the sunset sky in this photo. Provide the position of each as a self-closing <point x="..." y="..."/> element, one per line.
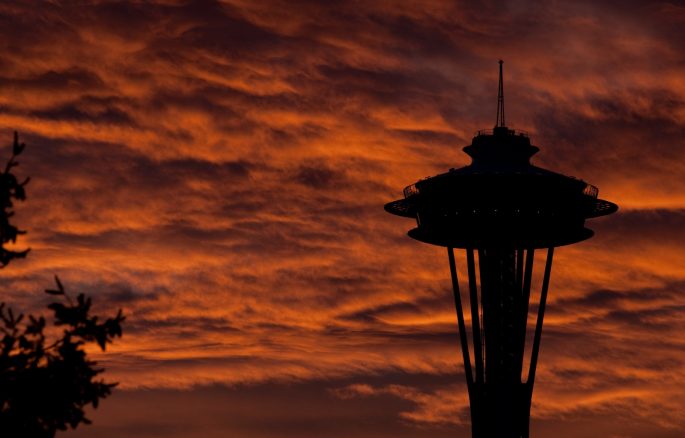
<point x="219" y="169"/>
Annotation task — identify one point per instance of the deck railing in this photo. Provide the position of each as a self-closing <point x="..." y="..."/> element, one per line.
<point x="410" y="190"/>
<point x="509" y="131"/>
<point x="591" y="190"/>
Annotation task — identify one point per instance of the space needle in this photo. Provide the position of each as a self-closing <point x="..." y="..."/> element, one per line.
<point x="500" y="210"/>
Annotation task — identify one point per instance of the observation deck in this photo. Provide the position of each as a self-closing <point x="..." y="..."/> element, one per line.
<point x="500" y="199"/>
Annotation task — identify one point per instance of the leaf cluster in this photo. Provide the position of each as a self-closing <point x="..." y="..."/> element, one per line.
<point x="45" y="386"/>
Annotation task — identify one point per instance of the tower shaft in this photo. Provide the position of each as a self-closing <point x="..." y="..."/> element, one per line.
<point x="505" y="308"/>
<point x="502" y="303"/>
<point x="500" y="400"/>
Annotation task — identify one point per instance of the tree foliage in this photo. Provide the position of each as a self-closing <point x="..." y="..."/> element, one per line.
<point x="46" y="382"/>
<point x="10" y="190"/>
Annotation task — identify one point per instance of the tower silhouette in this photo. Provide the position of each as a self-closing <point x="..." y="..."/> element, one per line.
<point x="500" y="209"/>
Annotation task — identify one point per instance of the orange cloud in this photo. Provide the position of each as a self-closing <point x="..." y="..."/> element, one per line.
<point x="219" y="169"/>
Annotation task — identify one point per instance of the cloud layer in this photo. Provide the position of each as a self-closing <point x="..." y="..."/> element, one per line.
<point x="218" y="169"/>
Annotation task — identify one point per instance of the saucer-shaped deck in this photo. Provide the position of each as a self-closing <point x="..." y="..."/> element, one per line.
<point x="500" y="200"/>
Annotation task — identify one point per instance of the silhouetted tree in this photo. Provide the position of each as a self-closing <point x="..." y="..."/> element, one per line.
<point x="45" y="384"/>
<point x="11" y="189"/>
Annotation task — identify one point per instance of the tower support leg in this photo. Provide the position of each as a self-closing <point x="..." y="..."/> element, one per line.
<point x="460" y="320"/>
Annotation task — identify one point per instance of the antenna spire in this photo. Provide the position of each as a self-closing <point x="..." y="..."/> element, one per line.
<point x="500" y="99"/>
